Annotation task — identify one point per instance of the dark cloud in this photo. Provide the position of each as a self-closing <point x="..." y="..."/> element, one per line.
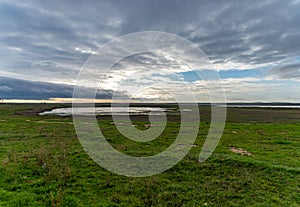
<point x="252" y="32"/>
<point x="291" y="71"/>
<point x="11" y="88"/>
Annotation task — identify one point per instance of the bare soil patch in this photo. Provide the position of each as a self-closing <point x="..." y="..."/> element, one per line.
<point x="240" y="151"/>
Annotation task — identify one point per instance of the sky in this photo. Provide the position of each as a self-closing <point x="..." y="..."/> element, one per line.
<point x="253" y="45"/>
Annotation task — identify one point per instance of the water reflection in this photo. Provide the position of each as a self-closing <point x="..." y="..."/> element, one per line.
<point x="109" y="111"/>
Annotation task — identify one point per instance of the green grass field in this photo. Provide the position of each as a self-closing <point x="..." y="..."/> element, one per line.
<point x="43" y="163"/>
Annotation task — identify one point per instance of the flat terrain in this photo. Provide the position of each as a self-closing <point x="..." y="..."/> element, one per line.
<point x="257" y="162"/>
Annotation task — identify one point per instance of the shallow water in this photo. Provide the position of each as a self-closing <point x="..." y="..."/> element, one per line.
<point x="143" y="110"/>
<point x="108" y="111"/>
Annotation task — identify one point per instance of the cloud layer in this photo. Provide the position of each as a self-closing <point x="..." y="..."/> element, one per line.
<point x="49" y="41"/>
<point x="11" y="88"/>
